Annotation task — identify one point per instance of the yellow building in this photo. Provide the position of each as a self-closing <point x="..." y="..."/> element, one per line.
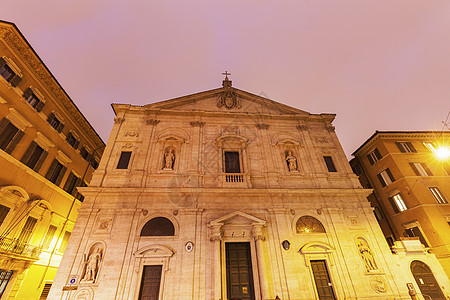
<point x="411" y="186"/>
<point x="47" y="149"/>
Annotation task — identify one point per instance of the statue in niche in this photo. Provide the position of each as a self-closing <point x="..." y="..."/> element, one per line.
<point x="169" y="160"/>
<point x="92" y="266"/>
<point x="366" y="255"/>
<point x="291" y="162"/>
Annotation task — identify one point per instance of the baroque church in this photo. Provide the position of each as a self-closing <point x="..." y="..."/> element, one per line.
<point x="224" y="194"/>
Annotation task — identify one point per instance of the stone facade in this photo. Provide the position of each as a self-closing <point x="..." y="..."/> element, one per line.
<point x="416" y="201"/>
<point x="191" y="187"/>
<point x="42" y="137"/>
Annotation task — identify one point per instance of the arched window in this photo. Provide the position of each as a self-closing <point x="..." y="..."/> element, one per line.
<point x="308" y="224"/>
<point x="158" y="227"/>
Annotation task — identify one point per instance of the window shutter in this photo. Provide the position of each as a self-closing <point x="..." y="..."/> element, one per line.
<point x="390" y="175"/>
<point x="381" y="180"/>
<point x="14" y="142"/>
<point x="60" y="127"/>
<point x="50" y="117"/>
<point x="77" y="184"/>
<point x="400" y="147"/>
<point x="68" y="181"/>
<point x="52" y="168"/>
<point x="427" y="169"/>
<point x="75" y="146"/>
<point x="394" y="206"/>
<point x="2" y="62"/>
<point x="61" y="175"/>
<point x="15" y="80"/>
<point x="370" y="160"/>
<point x="40" y="161"/>
<point x="377" y="153"/>
<point x="40" y="106"/>
<point x="69" y="135"/>
<point x="411" y="147"/>
<point x="27" y="154"/>
<point x="3" y="123"/>
<point x="414" y="169"/>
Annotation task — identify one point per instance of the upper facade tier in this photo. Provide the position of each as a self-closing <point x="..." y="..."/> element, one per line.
<point x="222" y="138"/>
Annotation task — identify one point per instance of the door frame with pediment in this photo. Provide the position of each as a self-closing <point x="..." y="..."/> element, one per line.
<point x="147" y="256"/>
<point x="237" y="227"/>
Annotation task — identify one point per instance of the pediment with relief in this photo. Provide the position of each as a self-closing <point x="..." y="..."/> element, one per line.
<point x="218" y="100"/>
<point x="237" y="218"/>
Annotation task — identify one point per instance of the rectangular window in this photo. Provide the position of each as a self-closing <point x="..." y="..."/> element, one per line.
<point x="430" y="146"/>
<point x="94" y="163"/>
<point x="55" y="122"/>
<point x="34" y="156"/>
<point x="10" y="136"/>
<point x="397" y="203"/>
<point x="49" y="237"/>
<point x="27" y="230"/>
<point x="64" y="242"/>
<point x="56" y="172"/>
<point x="374" y="156"/>
<point x="330" y="165"/>
<point x="438" y="195"/>
<point x="33" y="100"/>
<point x="415" y="232"/>
<point x="84" y="153"/>
<point x="7" y="71"/>
<point x="124" y="160"/>
<point x="421" y="169"/>
<point x="5" y="276"/>
<point x="378" y="214"/>
<point x="4" y="210"/>
<point x="385" y="177"/>
<point x="232" y="163"/>
<point x="72" y="140"/>
<point x="71" y="183"/>
<point x="405" y="147"/>
<point x="390" y="241"/>
<point x="45" y="291"/>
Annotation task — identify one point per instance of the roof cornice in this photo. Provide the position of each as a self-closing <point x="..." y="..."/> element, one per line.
<point x="25" y="52"/>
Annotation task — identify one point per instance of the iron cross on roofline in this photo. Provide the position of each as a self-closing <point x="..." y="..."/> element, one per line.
<point x="226" y="75"/>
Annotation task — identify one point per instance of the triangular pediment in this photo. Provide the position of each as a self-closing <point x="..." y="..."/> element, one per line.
<point x="239" y="102"/>
<point x="237" y="218"/>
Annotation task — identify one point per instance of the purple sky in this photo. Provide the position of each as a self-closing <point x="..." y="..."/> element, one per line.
<point x="379" y="65"/>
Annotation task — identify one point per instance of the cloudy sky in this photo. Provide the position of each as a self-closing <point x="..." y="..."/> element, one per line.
<point x="377" y="64"/>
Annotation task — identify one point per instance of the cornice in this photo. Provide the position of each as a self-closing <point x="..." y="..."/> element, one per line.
<point x="18" y="44"/>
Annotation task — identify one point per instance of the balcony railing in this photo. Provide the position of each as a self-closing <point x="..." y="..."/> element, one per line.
<point x="15" y="246"/>
<point x="234" y="177"/>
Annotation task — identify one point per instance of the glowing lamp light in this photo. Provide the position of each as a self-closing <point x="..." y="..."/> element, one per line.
<point x="442" y="152"/>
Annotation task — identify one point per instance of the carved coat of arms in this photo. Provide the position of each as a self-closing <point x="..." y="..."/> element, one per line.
<point x="229" y="99"/>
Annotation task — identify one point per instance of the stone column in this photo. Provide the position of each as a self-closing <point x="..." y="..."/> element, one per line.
<point x="259" y="238"/>
<point x="216" y="238"/>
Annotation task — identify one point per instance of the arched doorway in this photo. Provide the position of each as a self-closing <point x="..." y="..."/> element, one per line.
<point x="425" y="280"/>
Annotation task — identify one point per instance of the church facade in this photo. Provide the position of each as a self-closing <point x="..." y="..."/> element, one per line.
<point x="227" y="195"/>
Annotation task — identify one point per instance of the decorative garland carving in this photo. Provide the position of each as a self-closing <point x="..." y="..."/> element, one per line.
<point x="262" y="126"/>
<point x="197" y="123"/>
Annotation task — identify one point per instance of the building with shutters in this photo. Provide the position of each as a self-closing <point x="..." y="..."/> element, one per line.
<point x="47" y="150"/>
<point x="224" y="194"/>
<point x="411" y="186"/>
